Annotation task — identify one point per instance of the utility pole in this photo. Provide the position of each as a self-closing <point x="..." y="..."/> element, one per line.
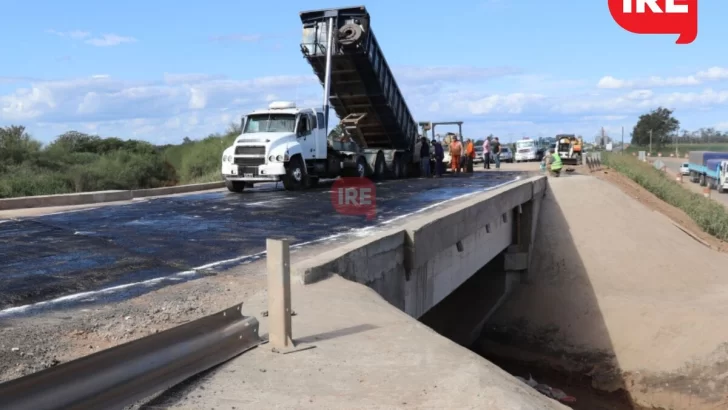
<point x="622" y="150"/>
<point x="650" y="142"/>
<point x="677" y="153"/>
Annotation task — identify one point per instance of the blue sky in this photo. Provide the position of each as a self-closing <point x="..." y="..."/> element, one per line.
<point x="162" y="70"/>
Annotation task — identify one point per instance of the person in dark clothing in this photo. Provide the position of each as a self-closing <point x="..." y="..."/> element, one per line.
<point x="425" y="158"/>
<point x="495" y="148"/>
<point x="439" y="157"/>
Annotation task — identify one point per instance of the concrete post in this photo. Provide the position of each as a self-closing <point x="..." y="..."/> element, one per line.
<point x="280" y="334"/>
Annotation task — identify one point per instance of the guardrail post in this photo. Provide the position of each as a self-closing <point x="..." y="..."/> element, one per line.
<point x="280" y="334"/>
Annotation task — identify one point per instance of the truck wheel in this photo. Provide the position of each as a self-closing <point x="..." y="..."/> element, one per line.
<point x="397" y="168"/>
<point x="380" y="167"/>
<point x="721" y="190"/>
<point x="361" y="168"/>
<point x="235" y="186"/>
<point x="702" y="180"/>
<point x="295" y="178"/>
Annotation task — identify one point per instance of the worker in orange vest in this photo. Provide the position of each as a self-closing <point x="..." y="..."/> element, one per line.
<point x="456" y="150"/>
<point x="470" y="155"/>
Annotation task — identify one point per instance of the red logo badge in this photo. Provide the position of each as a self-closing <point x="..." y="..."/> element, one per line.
<point x="354" y="196"/>
<point x="658" y="17"/>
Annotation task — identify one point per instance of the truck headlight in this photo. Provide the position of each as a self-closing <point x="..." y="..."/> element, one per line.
<point x="224" y="158"/>
<point x="271" y="158"/>
<point x="279" y="158"/>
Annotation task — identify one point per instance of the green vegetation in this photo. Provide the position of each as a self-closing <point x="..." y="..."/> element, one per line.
<point x="77" y="162"/>
<point x="708" y="214"/>
<point x="682" y="149"/>
<point x="661" y="130"/>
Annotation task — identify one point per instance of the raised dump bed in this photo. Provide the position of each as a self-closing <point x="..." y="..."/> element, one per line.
<point x="361" y="80"/>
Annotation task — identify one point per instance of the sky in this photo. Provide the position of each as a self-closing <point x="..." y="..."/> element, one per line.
<point x="162" y="70"/>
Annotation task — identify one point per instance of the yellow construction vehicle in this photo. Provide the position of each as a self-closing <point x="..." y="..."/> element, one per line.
<point x="569" y="147"/>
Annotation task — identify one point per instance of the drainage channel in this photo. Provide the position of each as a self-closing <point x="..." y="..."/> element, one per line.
<point x="460" y="317"/>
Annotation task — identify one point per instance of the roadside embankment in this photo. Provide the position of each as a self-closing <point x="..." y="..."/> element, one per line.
<point x="708" y="214"/>
<point x="85" y="198"/>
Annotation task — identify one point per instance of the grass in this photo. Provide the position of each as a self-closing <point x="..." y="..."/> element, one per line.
<point x="682" y="149"/>
<point x="77" y="162"/>
<point x="710" y="216"/>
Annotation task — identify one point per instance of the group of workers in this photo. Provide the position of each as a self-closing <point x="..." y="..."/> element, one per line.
<point x="462" y="156"/>
<point x="461" y="159"/>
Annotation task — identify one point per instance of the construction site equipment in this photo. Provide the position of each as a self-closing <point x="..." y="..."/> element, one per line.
<point x="569" y="147"/>
<point x="430" y="126"/>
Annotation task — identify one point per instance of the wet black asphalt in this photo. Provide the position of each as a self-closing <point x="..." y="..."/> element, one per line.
<point x="51" y="256"/>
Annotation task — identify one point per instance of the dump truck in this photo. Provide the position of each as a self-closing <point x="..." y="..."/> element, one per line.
<point x="569" y="147"/>
<point x="292" y="144"/>
<point x="709" y="168"/>
<point x="345" y="55"/>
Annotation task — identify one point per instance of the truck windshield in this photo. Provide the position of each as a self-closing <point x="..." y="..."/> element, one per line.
<point x="524" y="144"/>
<point x="270" y="123"/>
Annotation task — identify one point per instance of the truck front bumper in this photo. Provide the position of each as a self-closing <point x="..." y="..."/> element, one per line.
<point x="262" y="173"/>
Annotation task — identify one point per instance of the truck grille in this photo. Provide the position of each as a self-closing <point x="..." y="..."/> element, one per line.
<point x="249" y="162"/>
<point x="250" y="151"/>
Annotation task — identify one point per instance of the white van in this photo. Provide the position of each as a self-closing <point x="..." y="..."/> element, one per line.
<point x="526" y="150"/>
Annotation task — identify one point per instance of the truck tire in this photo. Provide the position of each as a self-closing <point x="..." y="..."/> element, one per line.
<point x="235" y="186"/>
<point x="380" y="167"/>
<point x="397" y="168"/>
<point x="350" y="34"/>
<point x="361" y="168"/>
<point x="296" y="178"/>
<point x="702" y="180"/>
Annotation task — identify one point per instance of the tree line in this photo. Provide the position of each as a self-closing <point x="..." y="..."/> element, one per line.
<point x="79" y="162"/>
<point x="662" y="128"/>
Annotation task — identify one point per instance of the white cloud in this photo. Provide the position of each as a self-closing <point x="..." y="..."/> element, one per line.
<point x="701" y="77"/>
<point x="498" y="100"/>
<point x="109" y="40"/>
<point x="104" y="40"/>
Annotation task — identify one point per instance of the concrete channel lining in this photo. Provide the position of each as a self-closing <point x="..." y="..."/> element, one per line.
<point x="416" y="265"/>
<point x="85" y="198"/>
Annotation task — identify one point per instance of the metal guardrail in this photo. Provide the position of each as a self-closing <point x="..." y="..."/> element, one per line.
<point x="593" y="160"/>
<point x="125" y="374"/>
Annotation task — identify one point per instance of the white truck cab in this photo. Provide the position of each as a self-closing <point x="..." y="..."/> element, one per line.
<point x="722" y="180"/>
<point x="275" y="145"/>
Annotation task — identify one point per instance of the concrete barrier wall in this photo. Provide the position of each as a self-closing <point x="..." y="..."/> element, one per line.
<point x="85" y="198"/>
<point x="417" y="265"/>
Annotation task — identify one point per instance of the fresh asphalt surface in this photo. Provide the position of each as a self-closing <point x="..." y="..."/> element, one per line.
<point x="52" y="256"/>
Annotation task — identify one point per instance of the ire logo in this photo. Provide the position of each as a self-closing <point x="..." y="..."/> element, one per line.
<point x="658" y="17"/>
<point x="354" y="196"/>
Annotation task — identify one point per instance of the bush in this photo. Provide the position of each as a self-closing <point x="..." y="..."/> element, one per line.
<point x="77" y="162"/>
<point x="199" y="161"/>
<point x="711" y="216"/>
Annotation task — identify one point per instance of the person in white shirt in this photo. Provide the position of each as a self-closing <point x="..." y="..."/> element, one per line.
<point x="486" y="153"/>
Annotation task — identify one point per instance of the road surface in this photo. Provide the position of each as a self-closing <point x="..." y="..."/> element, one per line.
<point x="143" y="245"/>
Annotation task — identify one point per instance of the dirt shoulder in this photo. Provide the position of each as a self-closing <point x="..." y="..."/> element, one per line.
<point x="654" y="203"/>
<point x="32" y="343"/>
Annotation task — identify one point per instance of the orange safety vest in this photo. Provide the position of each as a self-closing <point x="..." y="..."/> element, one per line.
<point x="470" y="150"/>
<point x="456" y="149"/>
